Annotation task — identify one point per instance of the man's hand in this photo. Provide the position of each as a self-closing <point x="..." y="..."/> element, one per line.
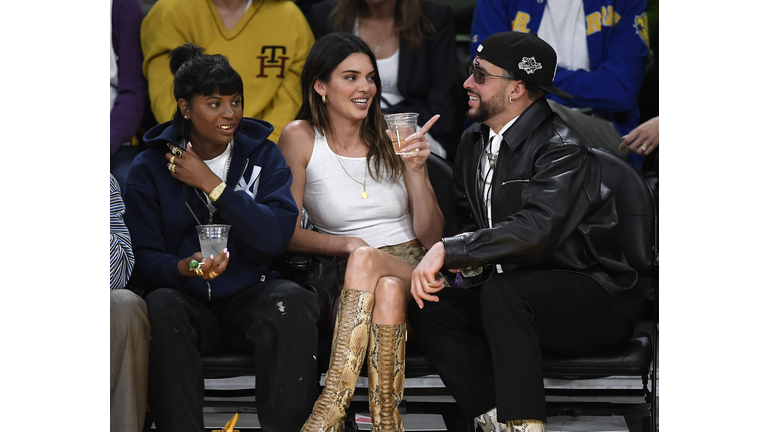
<point x="643" y="139"/>
<point x="423" y="283"/>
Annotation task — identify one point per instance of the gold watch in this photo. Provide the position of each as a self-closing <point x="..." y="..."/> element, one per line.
<point x="216" y="192"/>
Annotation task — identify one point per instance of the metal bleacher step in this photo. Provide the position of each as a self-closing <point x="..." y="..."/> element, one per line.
<point x="248" y="419"/>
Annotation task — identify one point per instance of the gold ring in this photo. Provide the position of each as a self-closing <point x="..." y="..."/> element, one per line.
<point x="176" y="152"/>
<point x="198" y="271"/>
<point x="212" y="274"/>
<point x="172" y="168"/>
<point x="644" y="148"/>
<point x="170" y="161"/>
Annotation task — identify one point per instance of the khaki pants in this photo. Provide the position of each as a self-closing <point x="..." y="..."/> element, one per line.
<point x="128" y="360"/>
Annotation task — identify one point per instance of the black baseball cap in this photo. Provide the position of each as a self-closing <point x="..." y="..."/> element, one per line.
<point x="523" y="53"/>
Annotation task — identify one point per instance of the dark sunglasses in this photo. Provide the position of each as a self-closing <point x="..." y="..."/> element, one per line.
<point x="479" y="76"/>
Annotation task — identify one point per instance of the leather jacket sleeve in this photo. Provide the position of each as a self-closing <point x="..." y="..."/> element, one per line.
<point x="553" y="203"/>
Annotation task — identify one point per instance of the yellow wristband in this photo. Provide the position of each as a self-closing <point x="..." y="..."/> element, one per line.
<point x="216" y="192"/>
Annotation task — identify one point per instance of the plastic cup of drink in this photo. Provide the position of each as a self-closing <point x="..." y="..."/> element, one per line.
<point x="213" y="238"/>
<point x="401" y="126"/>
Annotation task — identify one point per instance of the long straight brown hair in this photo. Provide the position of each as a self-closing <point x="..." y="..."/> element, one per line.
<point x="410" y="22"/>
<point x="326" y="54"/>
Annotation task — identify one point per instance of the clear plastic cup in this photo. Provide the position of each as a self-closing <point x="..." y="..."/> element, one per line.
<point x="401" y="126"/>
<point x="213" y="238"/>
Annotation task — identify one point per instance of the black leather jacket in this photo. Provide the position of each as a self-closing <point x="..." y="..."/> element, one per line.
<point x="550" y="210"/>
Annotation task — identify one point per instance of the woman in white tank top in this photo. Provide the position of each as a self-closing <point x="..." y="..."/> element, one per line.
<point x="349" y="180"/>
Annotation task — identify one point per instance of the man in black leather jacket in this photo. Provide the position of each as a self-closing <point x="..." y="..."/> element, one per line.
<point x="539" y="222"/>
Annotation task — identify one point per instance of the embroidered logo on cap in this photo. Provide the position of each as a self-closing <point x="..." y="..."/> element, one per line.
<point x="529" y="64"/>
<point x="479" y="48"/>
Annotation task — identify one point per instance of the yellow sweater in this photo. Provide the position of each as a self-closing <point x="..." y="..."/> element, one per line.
<point x="268" y="48"/>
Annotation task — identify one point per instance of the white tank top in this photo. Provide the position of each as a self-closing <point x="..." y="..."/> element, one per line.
<point x="335" y="206"/>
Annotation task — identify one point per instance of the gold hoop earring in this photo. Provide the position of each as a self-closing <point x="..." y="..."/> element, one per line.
<point x="323" y="98"/>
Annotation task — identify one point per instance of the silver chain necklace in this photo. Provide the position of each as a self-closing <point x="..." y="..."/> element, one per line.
<point x="231" y="147"/>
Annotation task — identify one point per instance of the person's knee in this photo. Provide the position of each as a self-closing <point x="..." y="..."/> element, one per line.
<point x="286" y="312"/>
<point x="390" y="299"/>
<point x="164" y="304"/>
<point x="361" y="260"/>
<point x="124" y="304"/>
<point x="287" y="296"/>
<point x="162" y="297"/>
<point x="128" y="316"/>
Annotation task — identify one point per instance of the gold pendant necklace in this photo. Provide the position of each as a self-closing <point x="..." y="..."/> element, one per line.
<point x="211" y="208"/>
<point x="364" y="195"/>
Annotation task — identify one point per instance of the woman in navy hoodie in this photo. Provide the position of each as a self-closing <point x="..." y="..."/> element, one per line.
<point x="224" y="167"/>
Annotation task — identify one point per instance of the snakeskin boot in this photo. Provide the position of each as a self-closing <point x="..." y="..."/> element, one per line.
<point x="350" y="340"/>
<point x="386" y="376"/>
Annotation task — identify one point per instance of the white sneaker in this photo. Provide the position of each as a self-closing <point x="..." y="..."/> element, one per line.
<point x="488" y="422"/>
<point x="528" y="426"/>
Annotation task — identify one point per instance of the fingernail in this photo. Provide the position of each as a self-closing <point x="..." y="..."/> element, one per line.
<point x="227" y="254"/>
<point x="225" y="250"/>
<point x="211" y="257"/>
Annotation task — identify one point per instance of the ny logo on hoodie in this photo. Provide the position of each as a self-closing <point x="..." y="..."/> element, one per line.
<point x="251" y="187"/>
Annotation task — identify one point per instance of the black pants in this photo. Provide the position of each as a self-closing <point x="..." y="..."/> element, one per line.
<point x="486" y="343"/>
<point x="275" y="320"/>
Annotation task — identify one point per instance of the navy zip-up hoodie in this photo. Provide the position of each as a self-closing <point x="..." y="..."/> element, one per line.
<point x="257" y="202"/>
